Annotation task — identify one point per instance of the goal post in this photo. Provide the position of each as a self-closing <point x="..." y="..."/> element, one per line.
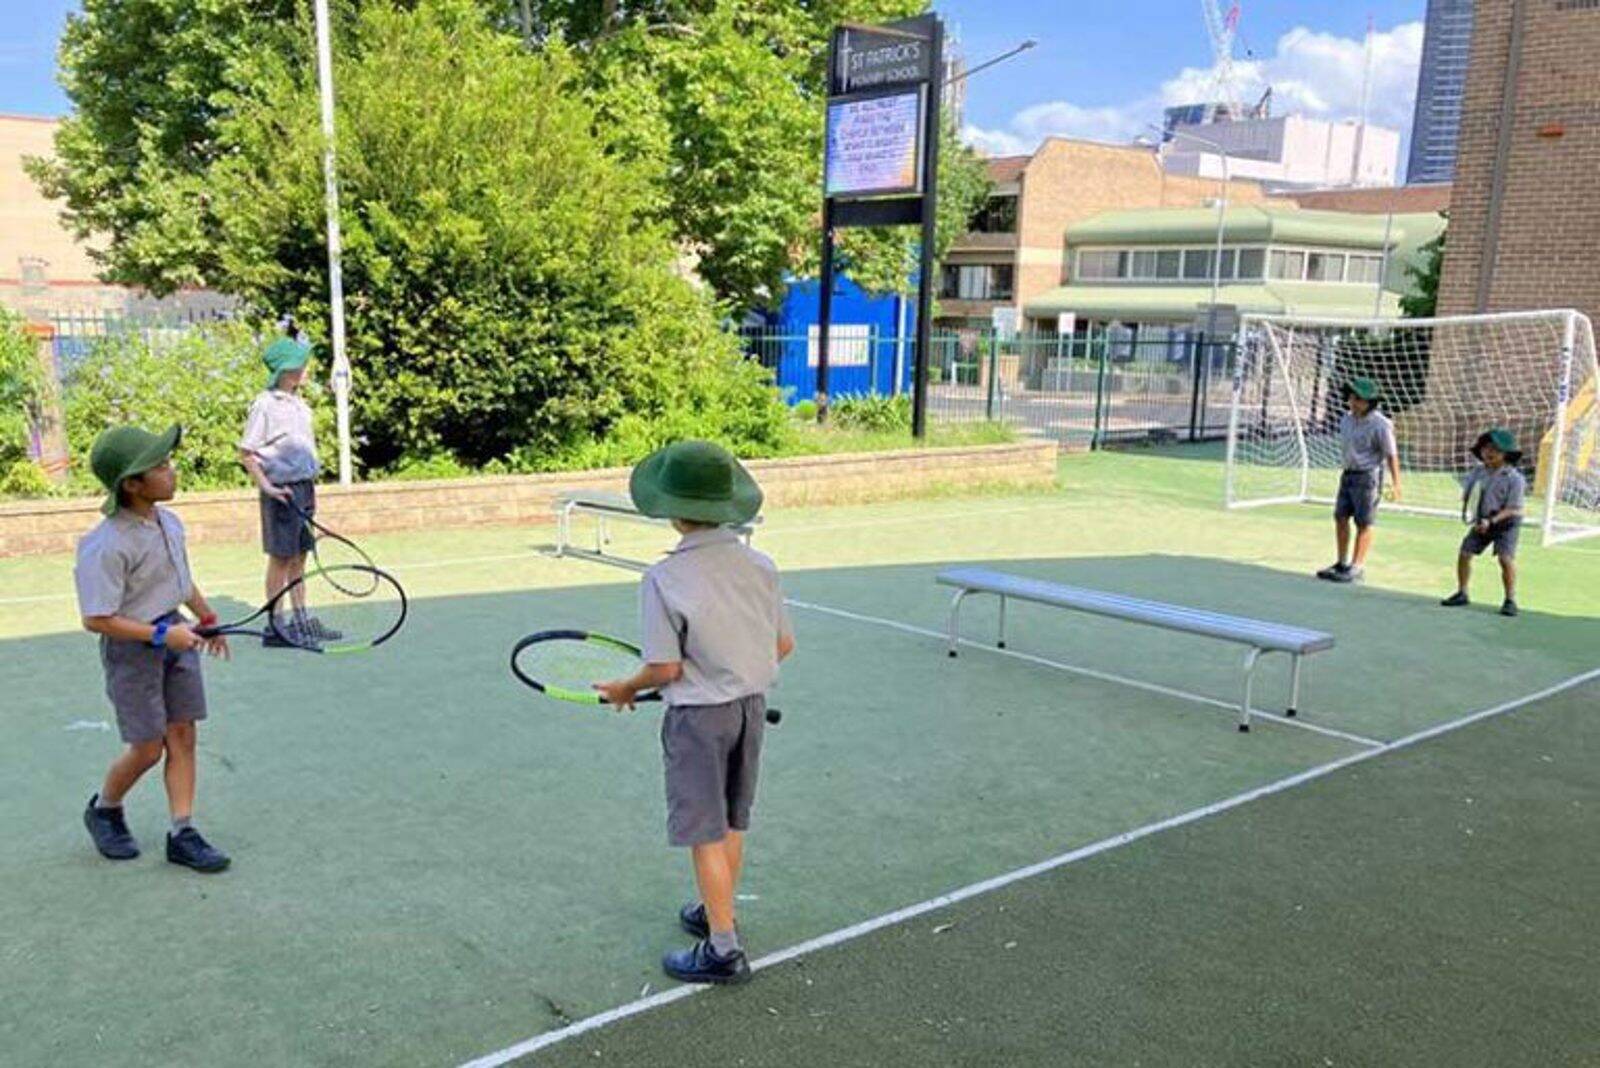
<point x="1443" y="382"/>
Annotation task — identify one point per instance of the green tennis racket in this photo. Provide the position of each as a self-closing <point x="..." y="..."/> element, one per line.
<point x="565" y="665"/>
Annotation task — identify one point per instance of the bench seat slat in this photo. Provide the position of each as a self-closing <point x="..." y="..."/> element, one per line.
<point x="1264" y="635"/>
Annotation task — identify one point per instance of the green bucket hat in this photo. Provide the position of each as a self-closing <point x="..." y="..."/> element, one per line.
<point x="1365" y="388"/>
<point x="125" y="451"/>
<point x="284" y="354"/>
<point x="1502" y="439"/>
<point x="695" y="480"/>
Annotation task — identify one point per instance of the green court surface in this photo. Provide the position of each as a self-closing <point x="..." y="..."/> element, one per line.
<point x="433" y="864"/>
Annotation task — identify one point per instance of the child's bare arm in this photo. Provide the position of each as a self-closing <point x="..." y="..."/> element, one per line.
<point x="217" y="644"/>
<point x="179" y="638"/>
<point x="622" y="692"/>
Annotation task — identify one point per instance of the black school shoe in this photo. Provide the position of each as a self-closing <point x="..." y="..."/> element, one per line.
<point x="1509" y="608"/>
<point x="702" y="964"/>
<point x="1332" y="572"/>
<point x="1348" y="575"/>
<point x="189" y="849"/>
<point x="1456" y="600"/>
<point x="692" y="918"/>
<point x="109" y="831"/>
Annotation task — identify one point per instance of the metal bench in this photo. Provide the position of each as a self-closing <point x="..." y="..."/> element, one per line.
<point x="1261" y="637"/>
<point x="606" y="507"/>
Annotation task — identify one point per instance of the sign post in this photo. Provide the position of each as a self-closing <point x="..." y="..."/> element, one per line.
<point x="881" y="163"/>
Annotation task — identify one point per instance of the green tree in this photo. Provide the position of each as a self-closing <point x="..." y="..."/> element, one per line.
<point x="510" y="293"/>
<point x="1423" y="275"/>
<point x="718" y="101"/>
<point x="146" y="78"/>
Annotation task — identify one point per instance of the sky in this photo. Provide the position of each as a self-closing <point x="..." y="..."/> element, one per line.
<point x="1102" y="69"/>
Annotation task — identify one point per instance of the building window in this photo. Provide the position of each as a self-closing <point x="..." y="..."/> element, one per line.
<point x="1251" y="261"/>
<point x="1100" y="266"/>
<point x="1324" y="267"/>
<point x="1167" y="263"/>
<point x="1290" y="266"/>
<point x="981" y="281"/>
<point x="1144" y="264"/>
<point x="1364" y="269"/>
<point x="997" y="216"/>
<point x="1196" y="265"/>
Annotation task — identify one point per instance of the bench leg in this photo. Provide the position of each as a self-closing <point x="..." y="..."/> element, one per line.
<point x="1294" y="687"/>
<point x="954" y="623"/>
<point x="563" y="528"/>
<point x="1250" y="660"/>
<point x="1001" y="644"/>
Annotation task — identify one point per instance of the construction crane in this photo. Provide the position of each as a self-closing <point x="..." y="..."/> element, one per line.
<point x="1223" y="26"/>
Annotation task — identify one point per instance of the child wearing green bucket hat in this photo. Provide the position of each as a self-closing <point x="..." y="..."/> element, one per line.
<point x="1501" y="492"/>
<point x="714" y="631"/>
<point x="132" y="574"/>
<point x="279" y="450"/>
<point x="1366" y="439"/>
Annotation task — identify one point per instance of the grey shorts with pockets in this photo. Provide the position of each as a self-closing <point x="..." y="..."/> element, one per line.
<point x="150" y="688"/>
<point x="712" y="754"/>
<point x="1358" y="497"/>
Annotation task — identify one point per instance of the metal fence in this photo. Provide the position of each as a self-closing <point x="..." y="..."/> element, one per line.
<point x="77" y="332"/>
<point x="1081" y="391"/>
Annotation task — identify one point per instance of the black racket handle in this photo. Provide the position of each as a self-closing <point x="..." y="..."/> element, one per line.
<point x="774" y="716"/>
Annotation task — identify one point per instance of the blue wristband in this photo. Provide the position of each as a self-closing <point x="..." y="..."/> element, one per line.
<point x="159" y="638"/>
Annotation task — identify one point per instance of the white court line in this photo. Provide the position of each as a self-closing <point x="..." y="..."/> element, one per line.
<point x="1103" y="676"/>
<point x="460" y="561"/>
<point x="888" y="919"/>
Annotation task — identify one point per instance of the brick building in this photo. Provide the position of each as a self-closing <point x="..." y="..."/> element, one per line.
<point x="1018" y="249"/>
<point x="1525" y="207"/>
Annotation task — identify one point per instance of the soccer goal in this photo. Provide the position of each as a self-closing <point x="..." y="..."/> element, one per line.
<point x="1443" y="381"/>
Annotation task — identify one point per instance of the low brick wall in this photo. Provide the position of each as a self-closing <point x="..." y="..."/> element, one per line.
<point x="55" y="526"/>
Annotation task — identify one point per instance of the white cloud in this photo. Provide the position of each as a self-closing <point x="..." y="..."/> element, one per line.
<point x="1312" y="73"/>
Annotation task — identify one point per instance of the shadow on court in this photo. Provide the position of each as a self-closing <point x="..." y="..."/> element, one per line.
<point x="432" y="862"/>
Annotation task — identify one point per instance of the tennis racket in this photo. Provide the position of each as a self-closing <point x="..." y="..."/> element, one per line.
<point x="317" y="613"/>
<point x="340" y="560"/>
<point x="565" y="664"/>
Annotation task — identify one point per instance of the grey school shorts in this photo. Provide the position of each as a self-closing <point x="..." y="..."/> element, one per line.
<point x="712" y="754"/>
<point x="283" y="533"/>
<point x="151" y="688"/>
<point x="1504" y="539"/>
<point x="1358" y="497"/>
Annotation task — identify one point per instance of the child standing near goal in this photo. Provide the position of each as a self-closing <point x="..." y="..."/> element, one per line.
<point x="1366" y="438"/>
<point x="1496" y="518"/>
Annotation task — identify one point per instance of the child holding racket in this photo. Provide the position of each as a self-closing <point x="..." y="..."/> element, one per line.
<point x="132" y="573"/>
<point x="279" y="450"/>
<point x="1366" y="438"/>
<point x="714" y="630"/>
<point x="1500" y="492"/>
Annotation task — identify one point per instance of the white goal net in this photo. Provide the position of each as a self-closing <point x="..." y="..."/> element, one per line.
<point x="1443" y="382"/>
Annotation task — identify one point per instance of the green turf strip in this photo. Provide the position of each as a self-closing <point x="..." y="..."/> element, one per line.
<point x="1430" y="906"/>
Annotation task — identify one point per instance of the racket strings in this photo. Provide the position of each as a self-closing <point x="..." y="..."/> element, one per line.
<point x="341" y="609"/>
<point x="575" y="664"/>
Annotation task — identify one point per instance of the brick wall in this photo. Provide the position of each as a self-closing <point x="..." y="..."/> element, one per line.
<point x="1549" y="232"/>
<point x="55" y="526"/>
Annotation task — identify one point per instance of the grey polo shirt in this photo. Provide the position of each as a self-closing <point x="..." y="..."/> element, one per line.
<point x="714" y="605"/>
<point x="284" y="420"/>
<point x="1503" y="487"/>
<point x="133" y="567"/>
<point x="1367" y="441"/>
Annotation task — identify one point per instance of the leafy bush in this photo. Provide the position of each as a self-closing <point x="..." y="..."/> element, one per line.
<point x="24" y="478"/>
<point x="805" y="411"/>
<point x="203" y="379"/>
<point x="873" y="411"/>
<point x="511" y="297"/>
<point x="20" y="388"/>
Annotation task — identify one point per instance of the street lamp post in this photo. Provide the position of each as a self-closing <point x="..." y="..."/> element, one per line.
<point x="341" y="363"/>
<point x="1222" y="211"/>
